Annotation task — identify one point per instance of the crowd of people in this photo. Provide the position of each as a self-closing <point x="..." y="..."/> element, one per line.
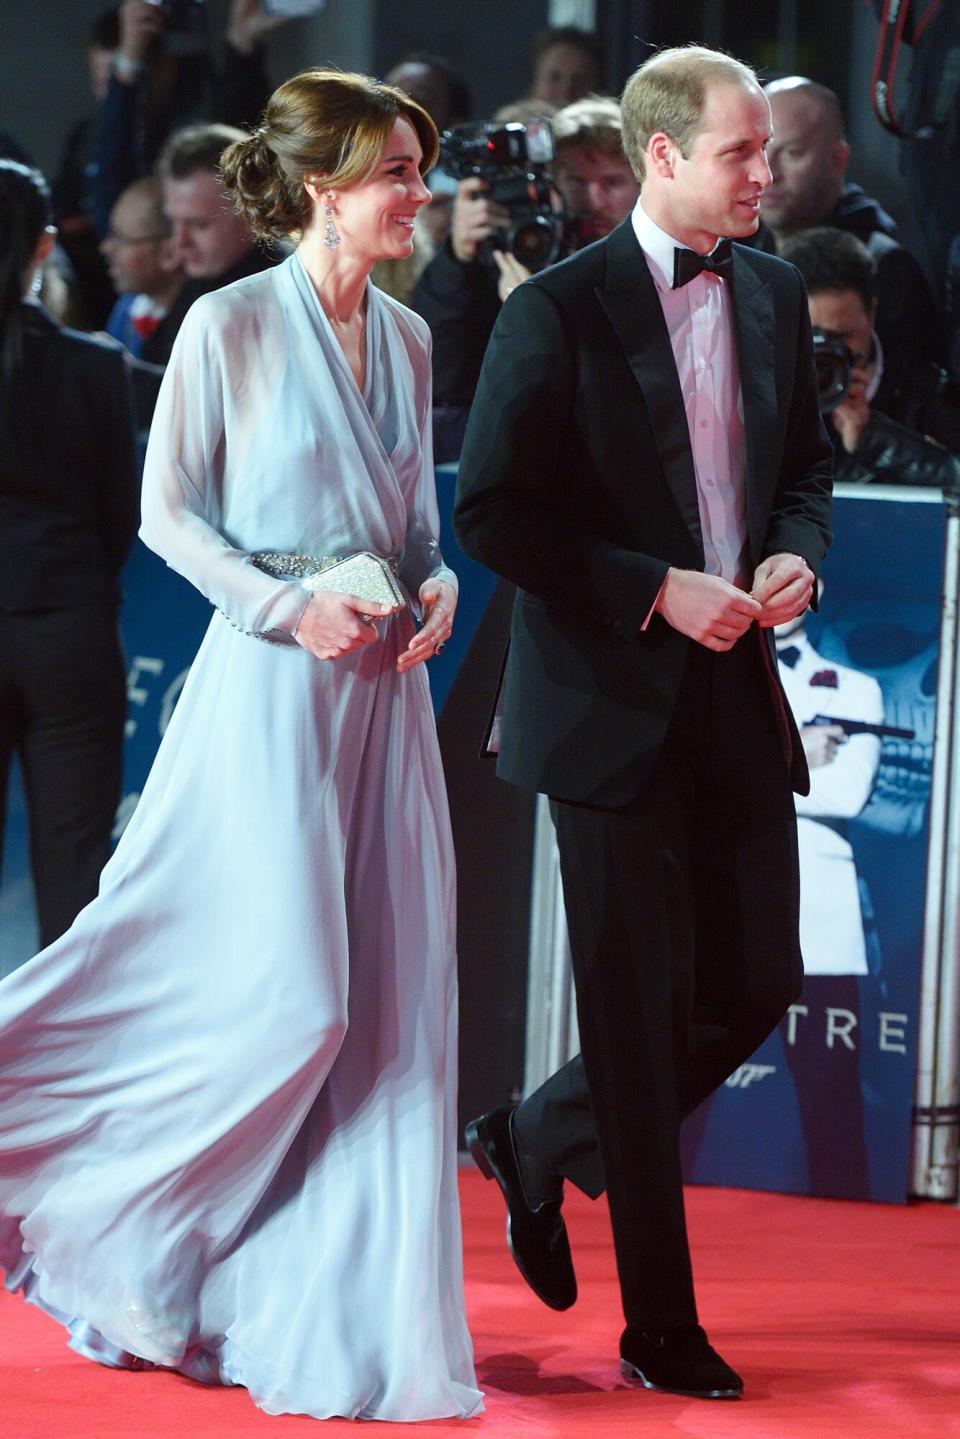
<point x="143" y="229"/>
<point x="204" y="253"/>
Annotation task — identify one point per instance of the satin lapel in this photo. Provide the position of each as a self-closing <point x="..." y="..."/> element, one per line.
<point x="754" y="331"/>
<point x="629" y="298"/>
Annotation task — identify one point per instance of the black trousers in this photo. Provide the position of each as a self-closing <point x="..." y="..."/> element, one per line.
<point x="683" y="912"/>
<point x="62" y="711"/>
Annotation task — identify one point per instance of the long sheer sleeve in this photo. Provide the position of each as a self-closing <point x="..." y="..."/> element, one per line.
<point x="422" y="559"/>
<point x="184" y="479"/>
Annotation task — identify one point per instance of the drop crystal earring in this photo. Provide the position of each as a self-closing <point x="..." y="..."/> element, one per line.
<point x="330" y="237"/>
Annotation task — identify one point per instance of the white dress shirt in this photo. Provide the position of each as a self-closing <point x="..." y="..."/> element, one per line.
<point x="700" y="324"/>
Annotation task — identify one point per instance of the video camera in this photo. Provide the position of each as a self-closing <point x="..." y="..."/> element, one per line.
<point x="834" y="363"/>
<point x="514" y="160"/>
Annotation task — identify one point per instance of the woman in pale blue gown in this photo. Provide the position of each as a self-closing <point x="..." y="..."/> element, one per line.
<point x="227" y="1095"/>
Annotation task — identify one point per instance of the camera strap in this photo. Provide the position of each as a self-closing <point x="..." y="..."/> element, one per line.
<point x="893" y="25"/>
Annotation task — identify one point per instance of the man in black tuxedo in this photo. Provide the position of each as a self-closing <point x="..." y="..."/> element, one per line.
<point x="645" y="460"/>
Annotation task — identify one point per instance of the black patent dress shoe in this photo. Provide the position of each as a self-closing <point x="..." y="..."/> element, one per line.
<point x="678" y="1361"/>
<point x="537" y="1237"/>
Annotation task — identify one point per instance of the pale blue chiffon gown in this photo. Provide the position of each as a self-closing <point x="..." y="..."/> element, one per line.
<point x="227" y="1095"/>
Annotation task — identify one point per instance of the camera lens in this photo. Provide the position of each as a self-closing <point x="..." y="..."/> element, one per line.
<point x="834" y="364"/>
<point x="534" y="242"/>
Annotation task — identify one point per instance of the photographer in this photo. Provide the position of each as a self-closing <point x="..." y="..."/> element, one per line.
<point x="460" y="291"/>
<point x="897" y="431"/>
<point x="152" y="91"/>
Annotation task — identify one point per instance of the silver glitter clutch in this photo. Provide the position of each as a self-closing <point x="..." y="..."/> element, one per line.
<point x="366" y="576"/>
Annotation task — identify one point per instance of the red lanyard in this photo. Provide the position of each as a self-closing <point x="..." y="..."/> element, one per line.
<point x="893" y="22"/>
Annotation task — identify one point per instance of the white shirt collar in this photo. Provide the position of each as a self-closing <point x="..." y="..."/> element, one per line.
<point x="656" y="244"/>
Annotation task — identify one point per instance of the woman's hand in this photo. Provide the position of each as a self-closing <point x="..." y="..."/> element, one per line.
<point x="335" y="624"/>
<point x="438" y="600"/>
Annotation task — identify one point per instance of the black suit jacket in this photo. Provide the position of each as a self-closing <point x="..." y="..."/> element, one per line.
<point x="577" y="484"/>
<point x="69" y="498"/>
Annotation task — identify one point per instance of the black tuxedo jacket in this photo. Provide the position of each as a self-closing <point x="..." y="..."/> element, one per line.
<point x="577" y="484"/>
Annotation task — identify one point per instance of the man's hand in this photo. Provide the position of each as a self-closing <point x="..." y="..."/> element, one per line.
<point x="512" y="273"/>
<point x="438" y="601"/>
<point x="783" y="584"/>
<point x="820" y="742"/>
<point x="248" y="25"/>
<point x="334" y="624"/>
<point x="475" y="218"/>
<point x="706" y="608"/>
<point x="849" y="419"/>
<point x="140" y="23"/>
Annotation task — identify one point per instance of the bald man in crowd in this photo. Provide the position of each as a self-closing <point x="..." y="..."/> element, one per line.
<point x="809" y="156"/>
<point x="145" y="267"/>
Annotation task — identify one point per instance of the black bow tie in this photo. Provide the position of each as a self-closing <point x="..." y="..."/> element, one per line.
<point x="788" y="655"/>
<point x="687" y="264"/>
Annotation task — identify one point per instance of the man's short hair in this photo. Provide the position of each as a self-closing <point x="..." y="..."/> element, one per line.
<point x="668" y="94"/>
<point x="832" y="260"/>
<point x="572" y="35"/>
<point x="196" y="148"/>
<point x="592" y="122"/>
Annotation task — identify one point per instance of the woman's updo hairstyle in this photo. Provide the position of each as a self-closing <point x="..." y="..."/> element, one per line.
<point x="25" y="212"/>
<point x="325" y="123"/>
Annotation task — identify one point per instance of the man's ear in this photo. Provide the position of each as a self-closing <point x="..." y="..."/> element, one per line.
<point x="661" y="155"/>
<point x="840" y="157"/>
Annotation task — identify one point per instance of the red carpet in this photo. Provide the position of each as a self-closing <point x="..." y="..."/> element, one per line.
<point x="843" y="1319"/>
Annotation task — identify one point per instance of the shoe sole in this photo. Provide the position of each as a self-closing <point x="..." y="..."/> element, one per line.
<point x="630" y="1371"/>
<point x="479" y="1155"/>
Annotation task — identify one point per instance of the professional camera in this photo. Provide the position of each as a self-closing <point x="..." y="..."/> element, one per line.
<point x="514" y="160"/>
<point x="834" y="361"/>
<point x="184" y="15"/>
